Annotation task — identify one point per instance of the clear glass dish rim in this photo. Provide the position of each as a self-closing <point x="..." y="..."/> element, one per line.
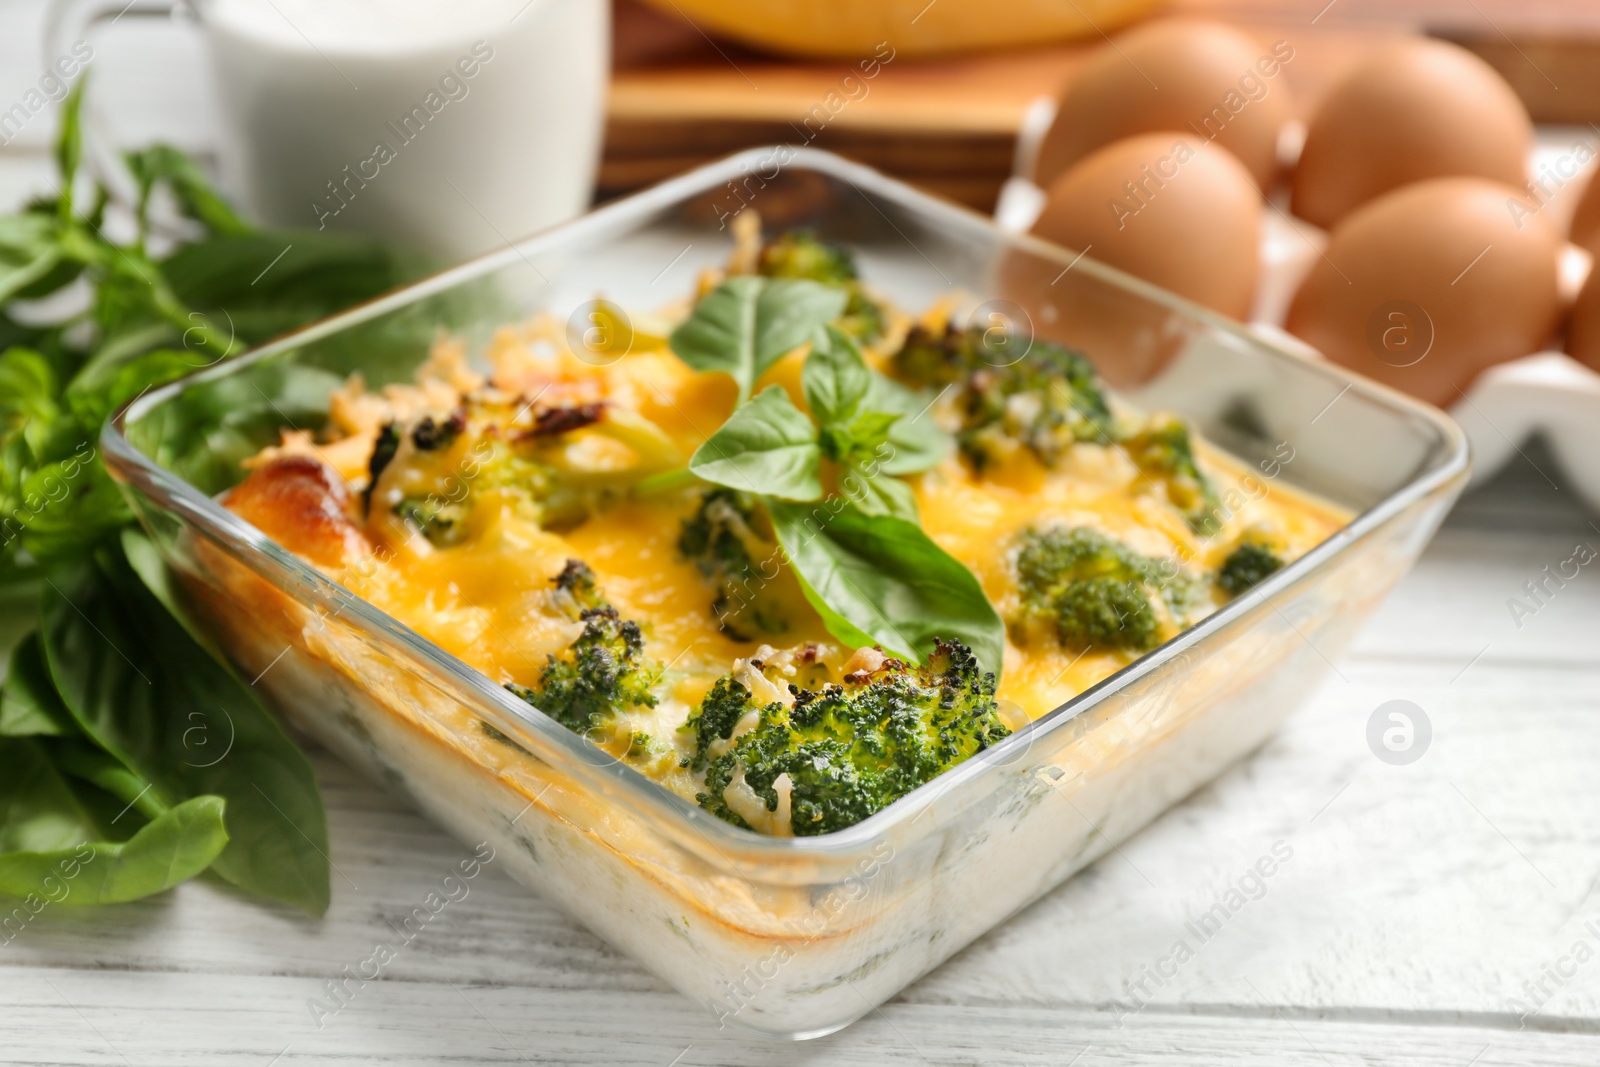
<point x="690" y="826"/>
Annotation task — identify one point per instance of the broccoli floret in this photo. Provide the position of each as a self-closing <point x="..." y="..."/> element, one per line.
<point x="1045" y="401"/>
<point x="604" y="671"/>
<point x="1164" y="455"/>
<point x="802" y="254"/>
<point x="726" y="541"/>
<point x="844" y="751"/>
<point x="1105" y="612"/>
<point x="1091" y="590"/>
<point x="1247" y="566"/>
<point x="517" y="457"/>
<point x="495" y="734"/>
<point x="538" y="491"/>
<point x="383" y="453"/>
<point x="441" y="521"/>
<point x="430" y="435"/>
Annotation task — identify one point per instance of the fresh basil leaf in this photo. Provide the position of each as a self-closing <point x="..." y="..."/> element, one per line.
<point x="859" y="440"/>
<point x="28" y="397"/>
<point x="50" y="848"/>
<point x="859" y="409"/>
<point x="77" y="506"/>
<point x="69" y="144"/>
<point x="38" y="812"/>
<point x="162" y="163"/>
<point x="123" y="305"/>
<point x="14" y="334"/>
<point x="870" y="428"/>
<point x="835" y="378"/>
<point x="880" y="580"/>
<point x="164" y="853"/>
<point x="916" y="443"/>
<point x="143" y="690"/>
<point x="100" y="388"/>
<point x="29" y="703"/>
<point x="766" y="446"/>
<point x="29" y="252"/>
<point x="204" y="434"/>
<point x="266" y="284"/>
<point x="145" y="559"/>
<point x="748" y="323"/>
<point x="879" y="494"/>
<point x="80" y="759"/>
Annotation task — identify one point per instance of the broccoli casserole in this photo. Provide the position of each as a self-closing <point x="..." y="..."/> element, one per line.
<point x="784" y="548"/>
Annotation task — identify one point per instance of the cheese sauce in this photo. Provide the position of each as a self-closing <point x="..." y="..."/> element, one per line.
<point x="485" y="597"/>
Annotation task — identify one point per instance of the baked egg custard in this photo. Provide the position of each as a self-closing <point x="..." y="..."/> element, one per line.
<point x="785" y="549"/>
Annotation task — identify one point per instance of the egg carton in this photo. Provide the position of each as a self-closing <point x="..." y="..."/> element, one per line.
<point x="1546" y="393"/>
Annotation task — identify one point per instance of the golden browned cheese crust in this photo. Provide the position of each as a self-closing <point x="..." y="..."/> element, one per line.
<point x="304" y="505"/>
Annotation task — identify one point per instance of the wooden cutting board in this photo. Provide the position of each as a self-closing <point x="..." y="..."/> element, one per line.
<point x="679" y="99"/>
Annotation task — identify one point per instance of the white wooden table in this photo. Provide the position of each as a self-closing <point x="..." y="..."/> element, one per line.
<point x="1421" y="910"/>
<point x="1417" y="902"/>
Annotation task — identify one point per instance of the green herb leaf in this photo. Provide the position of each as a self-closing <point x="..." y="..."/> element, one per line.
<point x="880" y="580"/>
<point x="916" y="443"/>
<point x="879" y="494"/>
<point x="835" y="378"/>
<point x="80" y="759"/>
<point x="29" y="703"/>
<point x="29" y="251"/>
<point x="766" y="446"/>
<point x="28" y="397"/>
<point x="204" y="435"/>
<point x="78" y="506"/>
<point x="38" y="812"/>
<point x="69" y="144"/>
<point x="164" y="725"/>
<point x="143" y="690"/>
<point x="100" y="388"/>
<point x="51" y="850"/>
<point x="748" y="323"/>
<point x="860" y="409"/>
<point x="162" y="163"/>
<point x="265" y="284"/>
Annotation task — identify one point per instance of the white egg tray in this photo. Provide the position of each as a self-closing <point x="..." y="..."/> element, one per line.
<point x="1547" y="393"/>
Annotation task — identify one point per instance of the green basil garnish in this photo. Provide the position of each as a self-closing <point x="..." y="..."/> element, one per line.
<point x="880" y="580"/>
<point x="746" y="324"/>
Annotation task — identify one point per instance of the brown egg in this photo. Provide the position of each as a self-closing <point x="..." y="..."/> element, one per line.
<point x="1166" y="207"/>
<point x="1585" y="227"/>
<point x="1583" y="329"/>
<point x="1129" y="337"/>
<point x="1425" y="287"/>
<point x="1416" y="109"/>
<point x="1189" y="75"/>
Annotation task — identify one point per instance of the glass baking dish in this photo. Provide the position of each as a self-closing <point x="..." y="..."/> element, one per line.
<point x="797" y="937"/>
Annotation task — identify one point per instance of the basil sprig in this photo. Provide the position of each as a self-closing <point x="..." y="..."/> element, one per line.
<point x="767" y="445"/>
<point x="880" y="580"/>
<point x="746" y="324"/>
<point x="121" y="666"/>
<point x="130" y="759"/>
<point x="872" y="427"/>
<point x="861" y="556"/>
<point x="54" y="850"/>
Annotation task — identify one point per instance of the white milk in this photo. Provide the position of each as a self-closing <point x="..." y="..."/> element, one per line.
<point x="452" y="126"/>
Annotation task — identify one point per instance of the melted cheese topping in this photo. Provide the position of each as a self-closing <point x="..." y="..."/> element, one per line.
<point x="486" y="595"/>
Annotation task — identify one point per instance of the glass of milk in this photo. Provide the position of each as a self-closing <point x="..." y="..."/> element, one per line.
<point x="454" y="127"/>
